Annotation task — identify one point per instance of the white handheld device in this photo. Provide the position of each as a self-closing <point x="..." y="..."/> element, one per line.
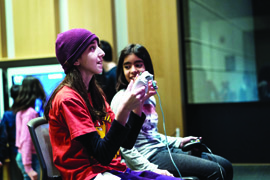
<point x="142" y="80"/>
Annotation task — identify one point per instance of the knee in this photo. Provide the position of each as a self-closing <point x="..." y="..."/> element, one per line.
<point x="229" y="170"/>
<point x="226" y="169"/>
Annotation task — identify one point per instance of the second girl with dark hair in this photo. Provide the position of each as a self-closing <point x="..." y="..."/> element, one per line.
<point x="150" y="151"/>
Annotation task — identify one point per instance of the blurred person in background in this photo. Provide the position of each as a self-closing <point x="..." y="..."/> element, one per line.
<point x="107" y="80"/>
<point x="9" y="129"/>
<point x="24" y="107"/>
<point x="3" y="143"/>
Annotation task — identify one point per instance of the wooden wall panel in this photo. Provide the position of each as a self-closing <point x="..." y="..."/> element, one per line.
<point x="34" y="28"/>
<point x="3" y="50"/>
<point x="153" y="23"/>
<point x="93" y="15"/>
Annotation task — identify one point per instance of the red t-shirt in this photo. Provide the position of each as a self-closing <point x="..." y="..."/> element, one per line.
<point x="68" y="119"/>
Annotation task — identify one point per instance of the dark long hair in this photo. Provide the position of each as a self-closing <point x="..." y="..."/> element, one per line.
<point x="30" y="90"/>
<point x="74" y="80"/>
<point x="142" y="53"/>
<point x="107" y="48"/>
<point x="14" y="91"/>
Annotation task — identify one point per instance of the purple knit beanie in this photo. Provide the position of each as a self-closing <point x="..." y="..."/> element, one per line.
<point x="70" y="45"/>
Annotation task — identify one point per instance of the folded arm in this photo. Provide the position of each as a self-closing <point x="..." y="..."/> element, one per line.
<point x="104" y="150"/>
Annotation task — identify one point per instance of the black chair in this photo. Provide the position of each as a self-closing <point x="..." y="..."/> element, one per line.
<point x="39" y="132"/>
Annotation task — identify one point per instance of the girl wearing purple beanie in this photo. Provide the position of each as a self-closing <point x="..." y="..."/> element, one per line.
<point x="85" y="133"/>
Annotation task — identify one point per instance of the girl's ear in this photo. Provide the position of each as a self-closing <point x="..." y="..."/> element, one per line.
<point x="76" y="63"/>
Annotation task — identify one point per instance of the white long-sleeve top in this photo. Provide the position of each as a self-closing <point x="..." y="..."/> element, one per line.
<point x="149" y="140"/>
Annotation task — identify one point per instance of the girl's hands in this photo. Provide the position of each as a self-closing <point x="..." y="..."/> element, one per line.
<point x="163" y="172"/>
<point x="131" y="100"/>
<point x="135" y="97"/>
<point x="33" y="175"/>
<point x="151" y="91"/>
<point x="186" y="140"/>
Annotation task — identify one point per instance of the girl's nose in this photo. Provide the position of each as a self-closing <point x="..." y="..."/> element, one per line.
<point x="133" y="68"/>
<point x="101" y="52"/>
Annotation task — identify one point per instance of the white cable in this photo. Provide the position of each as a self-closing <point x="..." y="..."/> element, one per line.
<point x="169" y="148"/>
<point x="212" y="155"/>
<point x="166" y="136"/>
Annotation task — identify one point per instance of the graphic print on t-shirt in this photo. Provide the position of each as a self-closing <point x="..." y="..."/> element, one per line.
<point x="102" y="126"/>
<point x="151" y="120"/>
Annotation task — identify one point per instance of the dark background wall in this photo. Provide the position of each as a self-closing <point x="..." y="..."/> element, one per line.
<point x="237" y="131"/>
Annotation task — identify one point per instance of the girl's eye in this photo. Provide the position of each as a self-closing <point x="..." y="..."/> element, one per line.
<point x="139" y="65"/>
<point x="127" y="66"/>
<point x="92" y="47"/>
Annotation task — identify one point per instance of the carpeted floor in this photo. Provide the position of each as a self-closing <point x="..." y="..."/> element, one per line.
<point x="251" y="171"/>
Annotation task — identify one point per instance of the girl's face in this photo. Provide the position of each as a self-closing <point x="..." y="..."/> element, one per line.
<point x="132" y="66"/>
<point x="90" y="62"/>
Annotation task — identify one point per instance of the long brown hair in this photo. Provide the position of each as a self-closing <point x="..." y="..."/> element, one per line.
<point x="30" y="90"/>
<point x="74" y="80"/>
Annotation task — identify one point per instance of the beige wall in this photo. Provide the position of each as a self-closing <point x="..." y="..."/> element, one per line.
<point x="153" y="23"/>
<point x="36" y="24"/>
<point x="2" y="30"/>
<point x="93" y="15"/>
<point x="34" y="28"/>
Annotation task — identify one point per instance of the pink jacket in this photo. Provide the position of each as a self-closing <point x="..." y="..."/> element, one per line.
<point x="23" y="138"/>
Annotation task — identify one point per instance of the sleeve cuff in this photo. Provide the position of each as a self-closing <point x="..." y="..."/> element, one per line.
<point x="28" y="168"/>
<point x="135" y="121"/>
